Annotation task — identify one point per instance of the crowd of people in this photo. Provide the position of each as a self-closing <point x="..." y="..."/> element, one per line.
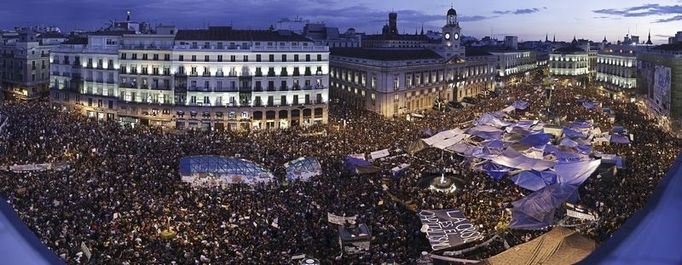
<point x="122" y="196"/>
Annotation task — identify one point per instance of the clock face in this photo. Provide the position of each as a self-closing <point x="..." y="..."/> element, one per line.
<point x="447" y="36"/>
<point x="457" y="36"/>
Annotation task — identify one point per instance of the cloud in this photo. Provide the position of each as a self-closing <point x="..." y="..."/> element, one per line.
<point x="522" y="11"/>
<point x="473" y="18"/>
<point x="645" y="11"/>
<point x="670" y="19"/>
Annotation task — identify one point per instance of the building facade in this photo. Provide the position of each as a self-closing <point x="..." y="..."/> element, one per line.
<point x="617" y="68"/>
<point x="569" y="61"/>
<point x="215" y="78"/>
<point x="24" y="66"/>
<point x="395" y="78"/>
<point x="661" y="80"/>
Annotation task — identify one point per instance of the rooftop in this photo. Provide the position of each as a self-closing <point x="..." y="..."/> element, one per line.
<point x="229" y="34"/>
<point x="569" y="49"/>
<point x="404" y="37"/>
<point x="386" y="54"/>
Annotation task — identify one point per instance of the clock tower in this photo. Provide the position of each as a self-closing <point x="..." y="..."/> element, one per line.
<point x="452" y="44"/>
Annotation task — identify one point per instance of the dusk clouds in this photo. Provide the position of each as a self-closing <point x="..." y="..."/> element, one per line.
<point x="671" y="12"/>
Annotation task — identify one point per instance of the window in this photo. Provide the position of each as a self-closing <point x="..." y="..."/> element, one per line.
<point x="233" y="58"/>
<point x="206" y="85"/>
<point x="271" y="58"/>
<point x="295" y="57"/>
<point x="319" y="57"/>
<point x="181" y="58"/>
<point x="144" y="56"/>
<point x="166" y="57"/>
<point x="307" y="57"/>
<point x="284" y="57"/>
<point x="246" y="58"/>
<point x="207" y="100"/>
<point x="194" y="58"/>
<point x="206" y="58"/>
<point x="155" y="57"/>
<point x="123" y="56"/>
<point x="220" y="58"/>
<point x="134" y="56"/>
<point x="257" y="57"/>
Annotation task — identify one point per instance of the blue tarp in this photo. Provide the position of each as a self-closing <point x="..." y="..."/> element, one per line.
<point x="568" y="142"/>
<point x="651" y="235"/>
<point x="575" y="173"/>
<point x="18" y="244"/>
<point x="536" y="140"/>
<point x="536" y="211"/>
<point x="584" y="149"/>
<point x="620" y="139"/>
<point x="567" y="156"/>
<point x="534" y="180"/>
<point x="520" y="105"/>
<point x="494" y="144"/>
<point x="581" y="125"/>
<point x="491" y="119"/>
<point x="486" y="132"/>
<point x="618" y="130"/>
<point x="573" y="133"/>
<point x="496" y="171"/>
<point x="359" y="166"/>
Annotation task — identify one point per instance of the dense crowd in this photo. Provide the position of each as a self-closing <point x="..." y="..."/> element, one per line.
<point x="122" y="192"/>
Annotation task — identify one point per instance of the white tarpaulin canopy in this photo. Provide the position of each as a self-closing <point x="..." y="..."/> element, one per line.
<point x="514" y="159"/>
<point x="441" y="136"/>
<point x="577" y="172"/>
<point x="450" y="142"/>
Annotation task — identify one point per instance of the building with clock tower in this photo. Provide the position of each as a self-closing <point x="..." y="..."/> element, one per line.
<point x="452" y="45"/>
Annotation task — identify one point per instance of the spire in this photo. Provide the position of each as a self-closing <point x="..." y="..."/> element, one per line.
<point x="648" y="42"/>
<point x="546" y="37"/>
<point x="554" y="39"/>
<point x="415" y="31"/>
<point x="604" y="41"/>
<point x="422" y="28"/>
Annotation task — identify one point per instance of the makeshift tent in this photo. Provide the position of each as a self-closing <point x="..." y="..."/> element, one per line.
<point x="495" y="171"/>
<point x="494" y="144"/>
<point x="359" y="166"/>
<point x="619" y="139"/>
<point x="568" y="132"/>
<point x="559" y="246"/>
<point x="491" y="119"/>
<point x="568" y="142"/>
<point x="520" y="104"/>
<point x="537" y="139"/>
<point x="514" y="159"/>
<point x="581" y="125"/>
<point x="486" y="132"/>
<point x="612" y="159"/>
<point x="450" y="141"/>
<point x="536" y="211"/>
<point x="534" y="180"/>
<point x="508" y="109"/>
<point x="651" y="235"/>
<point x="442" y="136"/>
<point x="576" y="173"/>
<point x="19" y="244"/>
<point x="303" y="168"/>
<point x="218" y="170"/>
<point x="463" y="149"/>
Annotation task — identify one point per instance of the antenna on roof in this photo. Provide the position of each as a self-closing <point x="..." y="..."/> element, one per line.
<point x="128" y="15"/>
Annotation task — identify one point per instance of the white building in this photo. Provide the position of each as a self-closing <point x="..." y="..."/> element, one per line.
<point x="215" y="78"/>
<point x="569" y="61"/>
<point x="24" y="65"/>
<point x="617" y="68"/>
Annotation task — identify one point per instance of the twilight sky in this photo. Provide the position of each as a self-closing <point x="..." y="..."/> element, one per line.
<point x="529" y="19"/>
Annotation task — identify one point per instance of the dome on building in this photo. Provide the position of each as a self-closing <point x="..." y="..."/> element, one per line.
<point x="452" y="12"/>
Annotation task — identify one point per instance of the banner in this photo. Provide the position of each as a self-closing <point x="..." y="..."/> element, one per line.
<point x="341" y="220"/>
<point x="576" y="211"/>
<point x="447" y="228"/>
<point x="379" y="154"/>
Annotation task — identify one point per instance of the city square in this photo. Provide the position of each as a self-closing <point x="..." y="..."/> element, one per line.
<point x="141" y="144"/>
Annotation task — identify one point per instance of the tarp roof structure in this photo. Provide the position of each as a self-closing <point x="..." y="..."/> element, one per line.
<point x="359" y="166"/>
<point x="491" y="120"/>
<point x="303" y="168"/>
<point x="514" y="159"/>
<point x="651" y="235"/>
<point x="534" y="180"/>
<point x="18" y="244"/>
<point x="224" y="168"/>
<point x="536" y="211"/>
<point x="557" y="247"/>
